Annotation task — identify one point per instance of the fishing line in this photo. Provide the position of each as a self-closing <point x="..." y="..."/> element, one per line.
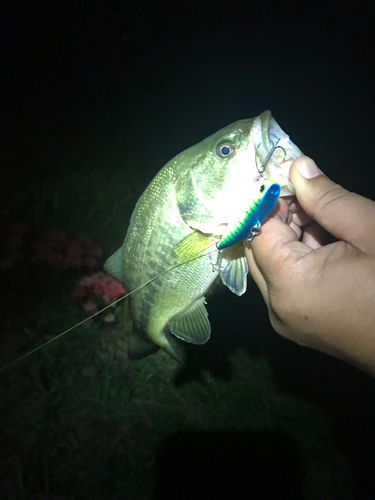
<point x="195" y="256"/>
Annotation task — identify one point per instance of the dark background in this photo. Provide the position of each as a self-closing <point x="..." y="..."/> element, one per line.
<point x="129" y="85"/>
<point x="137" y="82"/>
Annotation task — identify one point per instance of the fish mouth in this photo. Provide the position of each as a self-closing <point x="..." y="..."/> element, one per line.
<point x="275" y="152"/>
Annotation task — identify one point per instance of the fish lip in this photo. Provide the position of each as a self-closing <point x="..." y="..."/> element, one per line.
<point x="277" y="169"/>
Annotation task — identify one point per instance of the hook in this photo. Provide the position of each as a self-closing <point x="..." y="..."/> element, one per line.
<point x="262" y="168"/>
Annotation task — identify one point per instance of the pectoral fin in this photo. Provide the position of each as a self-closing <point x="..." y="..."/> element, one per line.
<point x="193" y="325"/>
<point x="212" y="227"/>
<point x="234" y="269"/>
<point x="193" y="245"/>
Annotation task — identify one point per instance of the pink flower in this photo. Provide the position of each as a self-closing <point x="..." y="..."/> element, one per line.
<point x="85" y="281"/>
<point x="80" y="292"/>
<point x="100" y="285"/>
<point x="97" y="286"/>
<point x="113" y="288"/>
<point x="90" y="306"/>
<point x="103" y="285"/>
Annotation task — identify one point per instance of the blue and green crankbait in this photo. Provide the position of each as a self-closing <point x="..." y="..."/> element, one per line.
<point x="248" y="224"/>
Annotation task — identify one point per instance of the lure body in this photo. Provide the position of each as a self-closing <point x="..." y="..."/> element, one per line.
<point x="261" y="205"/>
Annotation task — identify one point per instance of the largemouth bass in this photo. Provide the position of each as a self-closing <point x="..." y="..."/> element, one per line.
<point x="178" y="221"/>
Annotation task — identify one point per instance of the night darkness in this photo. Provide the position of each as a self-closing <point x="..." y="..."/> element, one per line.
<point x="114" y="92"/>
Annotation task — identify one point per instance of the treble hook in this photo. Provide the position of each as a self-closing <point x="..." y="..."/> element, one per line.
<point x="262" y="168"/>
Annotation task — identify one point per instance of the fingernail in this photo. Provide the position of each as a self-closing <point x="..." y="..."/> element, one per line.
<point x="308" y="168"/>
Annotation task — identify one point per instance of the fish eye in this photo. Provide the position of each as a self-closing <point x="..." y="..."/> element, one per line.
<point x="225" y="149"/>
<point x="262" y="188"/>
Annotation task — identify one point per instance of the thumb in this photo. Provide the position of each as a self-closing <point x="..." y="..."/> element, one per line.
<point x="347" y="216"/>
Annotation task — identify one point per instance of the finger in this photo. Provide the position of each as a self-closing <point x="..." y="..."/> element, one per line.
<point x="275" y="248"/>
<point x="348" y="216"/>
<point x="315" y="236"/>
<point x="282" y="213"/>
<point x="256" y="274"/>
<point x="296" y="228"/>
<point x="299" y="216"/>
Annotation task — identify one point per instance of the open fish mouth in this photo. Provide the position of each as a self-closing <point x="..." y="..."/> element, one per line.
<point x="268" y="137"/>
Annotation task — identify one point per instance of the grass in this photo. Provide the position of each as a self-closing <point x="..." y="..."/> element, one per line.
<point x="79" y="420"/>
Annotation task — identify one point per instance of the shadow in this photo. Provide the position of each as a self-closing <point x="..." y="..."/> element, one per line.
<point x="344" y="394"/>
<point x="228" y="465"/>
<point x="210" y="357"/>
<point x="232" y="326"/>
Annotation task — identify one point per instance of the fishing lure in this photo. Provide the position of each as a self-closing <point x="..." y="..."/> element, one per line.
<point x="259" y="208"/>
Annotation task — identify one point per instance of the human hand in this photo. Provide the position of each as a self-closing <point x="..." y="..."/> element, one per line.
<point x="320" y="295"/>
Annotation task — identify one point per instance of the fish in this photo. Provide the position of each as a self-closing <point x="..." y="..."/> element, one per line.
<point x="205" y="195"/>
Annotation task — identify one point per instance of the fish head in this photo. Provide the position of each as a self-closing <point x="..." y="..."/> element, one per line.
<point x="216" y="172"/>
<point x="216" y="175"/>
